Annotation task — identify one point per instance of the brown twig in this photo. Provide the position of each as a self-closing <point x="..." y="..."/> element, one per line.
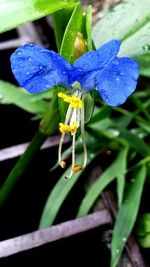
<point x="53" y="233"/>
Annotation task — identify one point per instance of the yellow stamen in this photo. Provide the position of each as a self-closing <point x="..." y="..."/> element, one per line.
<point x="63" y="164"/>
<point x="74" y="101"/>
<point x="68" y="128"/>
<point x="77" y="168"/>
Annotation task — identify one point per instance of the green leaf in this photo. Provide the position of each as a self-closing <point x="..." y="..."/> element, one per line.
<point x="129" y="22"/>
<point x="16" y="12"/>
<point x="74" y="26"/>
<point x="134" y="141"/>
<point x="63" y="17"/>
<point x="11" y="94"/>
<point x="57" y="197"/>
<point x="120" y="187"/>
<point x="116" y="168"/>
<point x="127" y="215"/>
<point x="67" y="47"/>
<point x="89" y="28"/>
<point x="88" y="107"/>
<point x="123" y="21"/>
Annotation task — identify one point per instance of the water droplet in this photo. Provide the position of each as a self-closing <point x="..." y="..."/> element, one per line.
<point x="27" y="73"/>
<point x="47" y="85"/>
<point x="108" y="152"/>
<point x="124" y="239"/>
<point x="117" y="251"/>
<point x="29" y="58"/>
<point x="19" y="53"/>
<point x="41" y="67"/>
<point x="91" y="155"/>
<point x="146" y="47"/>
<point x="132" y="180"/>
<point x="141" y="135"/>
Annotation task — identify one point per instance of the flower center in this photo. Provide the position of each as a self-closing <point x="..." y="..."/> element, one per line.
<point x="74" y="119"/>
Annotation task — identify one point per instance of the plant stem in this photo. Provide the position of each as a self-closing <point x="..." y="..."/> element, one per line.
<point x="47" y="127"/>
<point x="21" y="165"/>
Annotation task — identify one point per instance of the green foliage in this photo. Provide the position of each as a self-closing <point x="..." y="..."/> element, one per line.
<point x="130" y="23"/>
<point x="16" y="12"/>
<point x="122" y="130"/>
<point x="127" y="214"/>
<point x="11" y="94"/>
<point x="117" y="168"/>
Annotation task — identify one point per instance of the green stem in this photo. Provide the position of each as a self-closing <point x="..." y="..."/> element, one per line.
<point x="47" y="127"/>
<point x="21" y="165"/>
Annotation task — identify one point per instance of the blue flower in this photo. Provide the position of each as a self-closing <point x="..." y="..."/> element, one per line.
<point x="38" y="69"/>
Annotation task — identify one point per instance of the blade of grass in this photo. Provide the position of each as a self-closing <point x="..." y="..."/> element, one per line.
<point x="115" y="169"/>
<point x="57" y="196"/>
<point x="127" y="215"/>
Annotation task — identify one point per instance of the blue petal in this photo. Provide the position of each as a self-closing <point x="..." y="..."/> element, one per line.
<point x="98" y="59"/>
<point x="95" y="60"/>
<point x="37" y="69"/>
<point x="118" y="81"/>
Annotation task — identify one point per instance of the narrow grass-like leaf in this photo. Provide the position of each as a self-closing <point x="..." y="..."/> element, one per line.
<point x="120" y="187"/>
<point x="74" y="26"/>
<point x="16" y="12"/>
<point x="67" y="46"/>
<point x="57" y="196"/>
<point x="89" y="28"/>
<point x="134" y="141"/>
<point x="63" y="17"/>
<point x="114" y="170"/>
<point x="127" y="214"/>
<point x="11" y="94"/>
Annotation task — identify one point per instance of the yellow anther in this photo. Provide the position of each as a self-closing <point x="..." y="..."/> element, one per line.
<point x="63" y="128"/>
<point x="77" y="168"/>
<point x="68" y="128"/>
<point x="63" y="164"/>
<point x="73" y="128"/>
<point x="61" y="94"/>
<point x="74" y="101"/>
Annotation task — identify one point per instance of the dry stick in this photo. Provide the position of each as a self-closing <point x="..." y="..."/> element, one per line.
<point x="53" y="233"/>
<point x="18" y="150"/>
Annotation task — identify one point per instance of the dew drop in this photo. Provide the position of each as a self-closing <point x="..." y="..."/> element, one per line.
<point x="132" y="180"/>
<point x="117" y="251"/>
<point x="141" y="135"/>
<point x="29" y="58"/>
<point x="146" y="47"/>
<point x="41" y="67"/>
<point x="124" y="239"/>
<point x="27" y="73"/>
<point x="19" y="53"/>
